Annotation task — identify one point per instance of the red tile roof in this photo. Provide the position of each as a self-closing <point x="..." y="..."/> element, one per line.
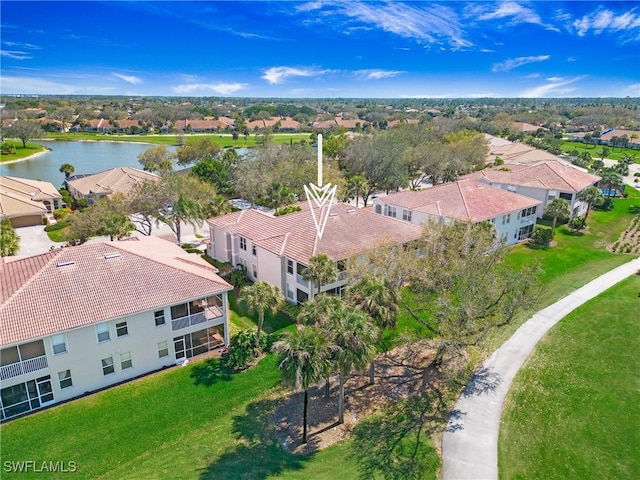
<point x="547" y="175"/>
<point x="348" y="231"/>
<point x="465" y="200"/>
<point x="77" y="286"/>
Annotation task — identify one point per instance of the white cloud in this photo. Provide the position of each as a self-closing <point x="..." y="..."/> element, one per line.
<point x="518" y="62"/>
<point x="424" y="23"/>
<point x="555" y="87"/>
<point x="632" y="90"/>
<point x="16" y="55"/>
<point x="27" y="85"/>
<point x="375" y="74"/>
<point x="219" y="88"/>
<point x="276" y="75"/>
<point x="128" y="78"/>
<point x="605" y="20"/>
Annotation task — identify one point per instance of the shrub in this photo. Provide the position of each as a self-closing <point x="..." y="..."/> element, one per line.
<point x="498" y="161"/>
<point x="57" y="226"/>
<point x="542" y="236"/>
<point x="7" y="149"/>
<point x="287" y="209"/>
<point x="239" y="277"/>
<point x="607" y="205"/>
<point x="577" y="223"/>
<point x="60" y="213"/>
<point x="242" y="351"/>
<point x="82" y="203"/>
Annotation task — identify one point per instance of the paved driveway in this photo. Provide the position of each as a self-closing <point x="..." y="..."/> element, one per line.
<point x="34" y="240"/>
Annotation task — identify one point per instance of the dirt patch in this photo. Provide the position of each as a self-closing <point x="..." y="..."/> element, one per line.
<point x="399" y="374"/>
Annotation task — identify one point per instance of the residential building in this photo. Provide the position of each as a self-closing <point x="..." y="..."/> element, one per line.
<point x="79" y="319"/>
<point x="544" y="181"/>
<point x="512" y="215"/>
<point x="108" y="182"/>
<point x="25" y="202"/>
<point x="278" y="249"/>
<point x="516" y="153"/>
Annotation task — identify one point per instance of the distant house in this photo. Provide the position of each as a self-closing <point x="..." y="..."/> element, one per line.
<point x="633" y="137"/>
<point x="524" y="127"/>
<point x="108" y="182"/>
<point x="544" y="181"/>
<point x="83" y="318"/>
<point x="278" y="249"/>
<point x="516" y="153"/>
<point x="24" y="202"/>
<point x="512" y="215"/>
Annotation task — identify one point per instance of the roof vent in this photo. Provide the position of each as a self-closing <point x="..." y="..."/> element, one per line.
<point x="64" y="264"/>
<point x="333" y="214"/>
<point x="351" y="211"/>
<point x="112" y="255"/>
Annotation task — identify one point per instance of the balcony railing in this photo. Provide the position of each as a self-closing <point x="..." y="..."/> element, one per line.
<point x="26" y="366"/>
<point x="301" y="280"/>
<point x="210" y="313"/>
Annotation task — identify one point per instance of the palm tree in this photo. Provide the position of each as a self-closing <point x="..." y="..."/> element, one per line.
<point x="355" y="340"/>
<point x="358" y="185"/>
<point x="379" y="300"/>
<point x="67" y="169"/>
<point x="117" y="226"/>
<point x="591" y="195"/>
<point x="9" y="239"/>
<point x="603" y="152"/>
<point x="612" y="180"/>
<point x="260" y="298"/>
<point x="305" y="361"/>
<point x="321" y="269"/>
<point x="318" y="312"/>
<point x="557" y="208"/>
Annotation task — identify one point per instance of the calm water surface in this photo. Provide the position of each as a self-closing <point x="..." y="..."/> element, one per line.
<point x="86" y="157"/>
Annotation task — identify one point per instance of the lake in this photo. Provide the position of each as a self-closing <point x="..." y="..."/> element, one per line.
<point x="86" y="157"/>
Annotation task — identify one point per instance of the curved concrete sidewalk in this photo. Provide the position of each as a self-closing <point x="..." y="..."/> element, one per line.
<point x="470" y="442"/>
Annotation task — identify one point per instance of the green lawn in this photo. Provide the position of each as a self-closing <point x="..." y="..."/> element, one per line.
<point x="20" y="151"/>
<point x="224" y="140"/>
<point x="579" y="257"/>
<point x="614" y="153"/>
<point x="572" y="412"/>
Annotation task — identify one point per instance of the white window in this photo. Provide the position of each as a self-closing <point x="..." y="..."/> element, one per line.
<point x="391" y="212"/>
<point x="65" y="379"/>
<point x="163" y="349"/>
<point x="254" y="270"/>
<point x="253" y="250"/>
<point x="159" y="317"/>
<point x="122" y="329"/>
<point x="289" y="291"/>
<point x="107" y="366"/>
<point x="290" y="266"/>
<point x="59" y="344"/>
<point x="406" y="215"/>
<point x="103" y="332"/>
<point x="508" y="217"/>
<point x="125" y="360"/>
<point x="243" y="243"/>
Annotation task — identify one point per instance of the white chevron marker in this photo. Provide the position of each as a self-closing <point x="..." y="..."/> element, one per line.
<point x="320" y="195"/>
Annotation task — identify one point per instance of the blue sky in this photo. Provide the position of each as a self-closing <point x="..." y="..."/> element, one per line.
<point x="322" y="49"/>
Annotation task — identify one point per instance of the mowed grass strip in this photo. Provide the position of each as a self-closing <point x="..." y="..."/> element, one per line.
<point x="572" y="412"/>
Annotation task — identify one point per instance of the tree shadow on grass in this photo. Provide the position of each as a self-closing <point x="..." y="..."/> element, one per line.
<point x="210" y="371"/>
<point x="257" y="455"/>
